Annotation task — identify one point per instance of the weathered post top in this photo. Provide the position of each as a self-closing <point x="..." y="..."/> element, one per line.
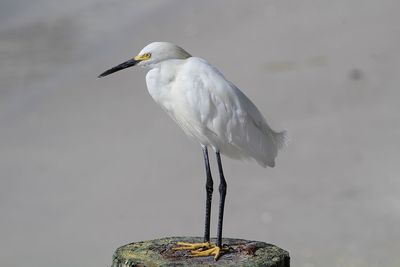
<point x="160" y="252"/>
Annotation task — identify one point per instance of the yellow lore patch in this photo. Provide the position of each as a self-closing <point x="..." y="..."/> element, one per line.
<point x="142" y="57"/>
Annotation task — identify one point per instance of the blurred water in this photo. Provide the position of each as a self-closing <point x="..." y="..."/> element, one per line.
<point x="86" y="164"/>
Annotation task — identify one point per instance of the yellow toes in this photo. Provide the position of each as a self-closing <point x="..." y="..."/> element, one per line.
<point x="192" y="246"/>
<point x="201" y="249"/>
<point x="214" y="250"/>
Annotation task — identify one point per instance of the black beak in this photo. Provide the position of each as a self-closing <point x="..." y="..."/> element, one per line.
<point x="126" y="64"/>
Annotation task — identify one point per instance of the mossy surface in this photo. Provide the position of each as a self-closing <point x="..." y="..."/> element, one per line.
<point x="159" y="252"/>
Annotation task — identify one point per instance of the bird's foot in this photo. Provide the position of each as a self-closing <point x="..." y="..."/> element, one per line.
<point x="212" y="251"/>
<point x="201" y="249"/>
<point x="192" y="246"/>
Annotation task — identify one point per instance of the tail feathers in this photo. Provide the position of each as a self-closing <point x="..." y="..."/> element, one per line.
<point x="278" y="140"/>
<point x="281" y="139"/>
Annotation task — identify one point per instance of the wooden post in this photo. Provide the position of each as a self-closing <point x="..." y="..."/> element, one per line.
<point x="160" y="252"/>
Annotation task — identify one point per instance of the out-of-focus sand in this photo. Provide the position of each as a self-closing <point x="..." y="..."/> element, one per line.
<point x="89" y="164"/>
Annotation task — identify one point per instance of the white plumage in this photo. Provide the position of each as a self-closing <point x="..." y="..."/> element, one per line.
<point x="211" y="110"/>
<point x="207" y="106"/>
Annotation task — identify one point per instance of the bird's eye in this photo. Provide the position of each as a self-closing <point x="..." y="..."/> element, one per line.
<point x="147" y="55"/>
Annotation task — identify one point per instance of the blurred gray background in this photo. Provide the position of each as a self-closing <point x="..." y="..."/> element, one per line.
<point x="88" y="164"/>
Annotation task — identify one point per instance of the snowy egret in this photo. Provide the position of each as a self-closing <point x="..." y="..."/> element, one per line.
<point x="211" y="110"/>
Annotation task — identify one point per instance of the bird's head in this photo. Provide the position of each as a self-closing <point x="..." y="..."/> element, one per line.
<point x="150" y="55"/>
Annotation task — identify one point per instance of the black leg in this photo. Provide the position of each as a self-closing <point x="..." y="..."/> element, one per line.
<point x="209" y="191"/>
<point x="222" y="193"/>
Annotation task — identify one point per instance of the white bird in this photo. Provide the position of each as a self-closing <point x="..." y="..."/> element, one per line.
<point x="211" y="110"/>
